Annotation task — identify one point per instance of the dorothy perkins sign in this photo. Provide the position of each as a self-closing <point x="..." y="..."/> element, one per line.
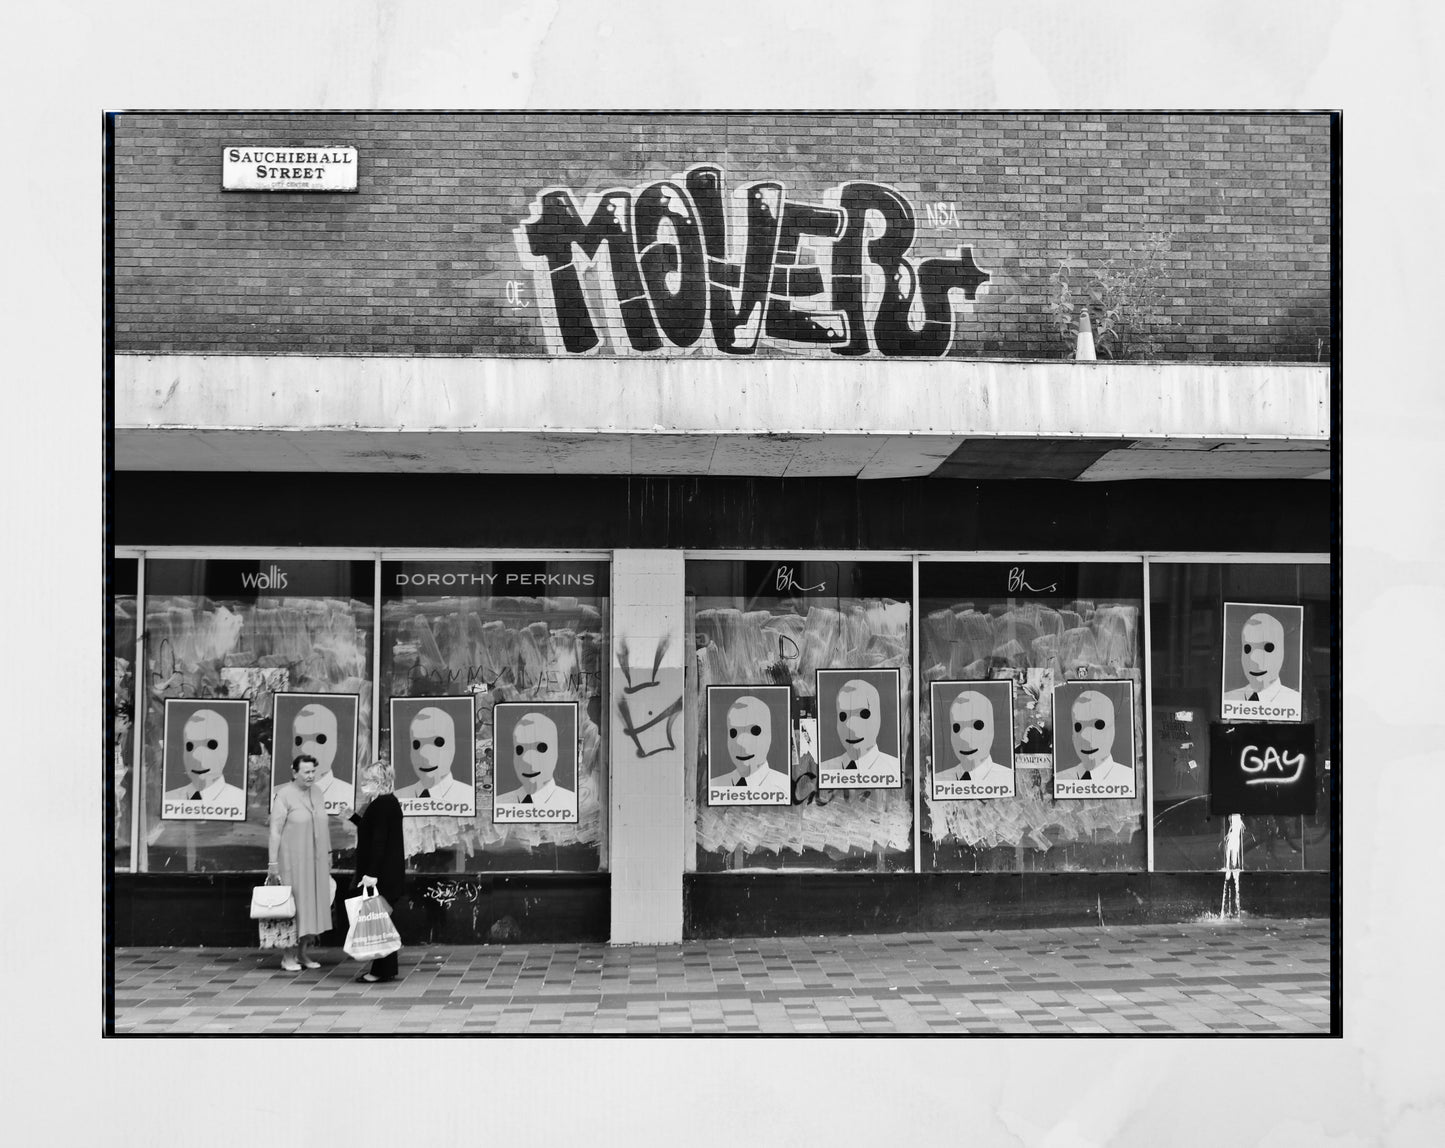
<point x="288" y="167"/>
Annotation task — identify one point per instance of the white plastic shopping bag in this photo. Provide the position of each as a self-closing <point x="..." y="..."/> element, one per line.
<point x="370" y="933"/>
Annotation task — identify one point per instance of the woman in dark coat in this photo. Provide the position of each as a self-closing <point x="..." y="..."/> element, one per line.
<point x="381" y="861"/>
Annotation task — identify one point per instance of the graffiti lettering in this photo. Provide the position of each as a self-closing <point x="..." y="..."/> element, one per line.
<point x="163" y="666"/>
<point x="942" y="215"/>
<point x="581" y="683"/>
<point x="670" y="272"/>
<point x="446" y="893"/>
<point x="649" y="707"/>
<point x="1252" y="761"/>
<point x="806" y="791"/>
<point x="168" y="677"/>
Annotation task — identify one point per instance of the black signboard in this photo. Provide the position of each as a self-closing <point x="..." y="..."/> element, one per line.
<point x="122" y="577"/>
<point x="251" y="578"/>
<point x="1261" y="767"/>
<point x="1026" y="579"/>
<point x="756" y="580"/>
<point x="445" y="579"/>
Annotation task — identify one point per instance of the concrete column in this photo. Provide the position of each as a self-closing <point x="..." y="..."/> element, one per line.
<point x="646" y="831"/>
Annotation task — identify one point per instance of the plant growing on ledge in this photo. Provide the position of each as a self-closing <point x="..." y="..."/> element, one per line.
<point x="1125" y="298"/>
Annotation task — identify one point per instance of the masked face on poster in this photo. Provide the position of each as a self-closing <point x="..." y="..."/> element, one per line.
<point x="433" y="745"/>
<point x="534" y="739"/>
<point x="1093" y="728"/>
<point x="1262" y="651"/>
<point x="859" y="717"/>
<point x="970" y="728"/>
<point x="314" y="732"/>
<point x="750" y="734"/>
<point x="207" y="745"/>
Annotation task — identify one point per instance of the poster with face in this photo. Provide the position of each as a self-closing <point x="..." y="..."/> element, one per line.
<point x="433" y="753"/>
<point x="535" y="762"/>
<point x="205" y="759"/>
<point x="1262" y="661"/>
<point x="973" y="740"/>
<point x="858" y="729"/>
<point x="322" y="726"/>
<point x="1094" y="739"/>
<point x="749" y="759"/>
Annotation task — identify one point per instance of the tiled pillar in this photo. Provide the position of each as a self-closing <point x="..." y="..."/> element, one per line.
<point x="646" y="832"/>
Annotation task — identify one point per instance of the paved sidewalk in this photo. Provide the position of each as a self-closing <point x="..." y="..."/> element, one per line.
<point x="1258" y="976"/>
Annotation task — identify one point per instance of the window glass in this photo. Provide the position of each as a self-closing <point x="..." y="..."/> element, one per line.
<point x="502" y="632"/>
<point x="122" y="702"/>
<point x="1189" y="664"/>
<point x="766" y="624"/>
<point x="243" y="630"/>
<point x="1039" y="625"/>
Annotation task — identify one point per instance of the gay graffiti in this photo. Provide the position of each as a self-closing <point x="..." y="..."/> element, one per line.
<point x="807" y="276"/>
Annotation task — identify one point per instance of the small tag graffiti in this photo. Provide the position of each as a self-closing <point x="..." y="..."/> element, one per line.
<point x="648" y="707"/>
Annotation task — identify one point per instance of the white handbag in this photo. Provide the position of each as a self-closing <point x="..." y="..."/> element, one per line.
<point x="272" y="903"/>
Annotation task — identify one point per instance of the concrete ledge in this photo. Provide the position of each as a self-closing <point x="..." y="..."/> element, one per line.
<point x="951" y="397"/>
<point x="756" y="417"/>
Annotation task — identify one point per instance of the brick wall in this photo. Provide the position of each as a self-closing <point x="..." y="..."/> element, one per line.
<point x="423" y="260"/>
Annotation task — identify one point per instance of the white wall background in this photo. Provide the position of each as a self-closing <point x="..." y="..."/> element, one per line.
<point x="66" y="61"/>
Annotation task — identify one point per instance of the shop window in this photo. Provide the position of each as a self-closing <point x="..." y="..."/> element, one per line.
<point x="1040" y="626"/>
<point x="123" y="572"/>
<point x="1190" y="665"/>
<point x="499" y="633"/>
<point x="224" y="638"/>
<point x="759" y="633"/>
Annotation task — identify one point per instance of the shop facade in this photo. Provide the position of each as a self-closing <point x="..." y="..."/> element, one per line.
<point x="737" y="466"/>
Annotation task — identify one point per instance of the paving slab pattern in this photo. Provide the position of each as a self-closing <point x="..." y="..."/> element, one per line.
<point x="1250" y="977"/>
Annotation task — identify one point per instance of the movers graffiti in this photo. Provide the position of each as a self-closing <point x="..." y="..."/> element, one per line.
<point x="669" y="273"/>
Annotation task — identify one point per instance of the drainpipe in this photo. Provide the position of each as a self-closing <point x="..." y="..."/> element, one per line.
<point x="1084" y="345"/>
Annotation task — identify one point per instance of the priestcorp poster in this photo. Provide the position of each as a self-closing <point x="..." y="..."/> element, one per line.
<point x="973" y="740"/>
<point x="535" y="762"/>
<point x="205" y="758"/>
<point x="322" y="726"/>
<point x="1094" y="739"/>
<point x="748" y="753"/>
<point x="858" y="729"/>
<point x="1261" y="662"/>
<point x="433" y="752"/>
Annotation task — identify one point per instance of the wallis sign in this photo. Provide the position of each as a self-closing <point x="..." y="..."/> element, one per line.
<point x="665" y="275"/>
